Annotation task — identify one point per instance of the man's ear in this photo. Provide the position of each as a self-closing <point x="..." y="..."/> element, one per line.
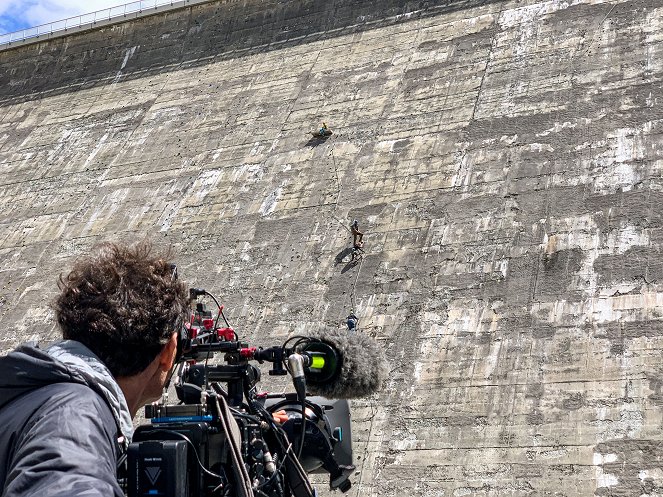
<point x="167" y="355"/>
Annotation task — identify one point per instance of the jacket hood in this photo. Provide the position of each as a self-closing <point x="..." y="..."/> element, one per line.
<point x="27" y="368"/>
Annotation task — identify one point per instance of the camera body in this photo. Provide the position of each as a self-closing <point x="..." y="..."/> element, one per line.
<point x="224" y="438"/>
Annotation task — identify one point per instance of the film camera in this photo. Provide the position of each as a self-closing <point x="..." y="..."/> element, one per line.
<point x="225" y="438"/>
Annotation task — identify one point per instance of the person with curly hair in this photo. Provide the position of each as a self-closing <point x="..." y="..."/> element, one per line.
<point x="67" y="410"/>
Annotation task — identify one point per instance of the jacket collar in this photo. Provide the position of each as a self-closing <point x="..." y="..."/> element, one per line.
<point x="82" y="361"/>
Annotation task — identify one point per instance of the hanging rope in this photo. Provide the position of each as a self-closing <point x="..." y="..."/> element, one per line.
<point x="354" y="285"/>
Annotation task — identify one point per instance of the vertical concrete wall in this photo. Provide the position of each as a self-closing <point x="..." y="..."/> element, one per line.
<point x="503" y="158"/>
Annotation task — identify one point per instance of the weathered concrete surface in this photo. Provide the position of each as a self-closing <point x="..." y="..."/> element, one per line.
<point x="504" y="159"/>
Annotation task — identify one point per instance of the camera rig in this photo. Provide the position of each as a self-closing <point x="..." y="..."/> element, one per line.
<point x="225" y="438"/>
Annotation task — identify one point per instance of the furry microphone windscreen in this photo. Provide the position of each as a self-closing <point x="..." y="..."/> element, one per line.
<point x="363" y="366"/>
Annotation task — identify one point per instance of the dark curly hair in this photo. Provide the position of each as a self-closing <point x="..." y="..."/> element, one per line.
<point x="123" y="303"/>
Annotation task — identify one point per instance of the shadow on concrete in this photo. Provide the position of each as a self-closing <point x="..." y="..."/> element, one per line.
<point x="316" y="140"/>
<point x="195" y="36"/>
<point x="342" y="255"/>
<point x="355" y="257"/>
<point x="350" y="265"/>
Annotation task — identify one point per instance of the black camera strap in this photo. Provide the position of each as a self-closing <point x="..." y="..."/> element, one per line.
<point x="299" y="482"/>
<point x="234" y="438"/>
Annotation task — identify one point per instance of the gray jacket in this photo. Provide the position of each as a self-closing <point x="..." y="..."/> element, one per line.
<point x="61" y="416"/>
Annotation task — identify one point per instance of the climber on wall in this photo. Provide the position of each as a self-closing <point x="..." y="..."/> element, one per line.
<point x="352" y="321"/>
<point x="357" y="236"/>
<point x="322" y="132"/>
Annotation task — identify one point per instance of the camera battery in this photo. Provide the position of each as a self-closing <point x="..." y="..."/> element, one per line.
<point x="157" y="469"/>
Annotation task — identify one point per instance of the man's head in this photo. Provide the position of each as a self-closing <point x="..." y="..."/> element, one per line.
<point x="124" y="304"/>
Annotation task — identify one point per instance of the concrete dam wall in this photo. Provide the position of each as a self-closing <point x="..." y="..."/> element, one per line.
<point x="503" y="158"/>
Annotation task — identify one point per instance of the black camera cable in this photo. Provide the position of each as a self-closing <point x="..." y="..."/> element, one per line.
<point x="195" y="451"/>
<point x="220" y="308"/>
<point x="243" y="481"/>
<point x="294" y="470"/>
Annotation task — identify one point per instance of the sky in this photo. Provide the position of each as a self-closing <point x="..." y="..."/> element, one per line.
<point x="20" y="14"/>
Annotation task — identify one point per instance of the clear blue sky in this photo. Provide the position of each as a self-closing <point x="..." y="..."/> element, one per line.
<point x="20" y="14"/>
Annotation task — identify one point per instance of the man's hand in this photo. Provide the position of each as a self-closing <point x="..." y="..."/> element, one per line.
<point x="280" y="416"/>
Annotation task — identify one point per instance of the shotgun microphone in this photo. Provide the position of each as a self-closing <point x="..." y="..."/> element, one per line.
<point x="342" y="365"/>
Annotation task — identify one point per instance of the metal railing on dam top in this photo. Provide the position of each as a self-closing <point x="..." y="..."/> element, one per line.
<point x="88" y="20"/>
